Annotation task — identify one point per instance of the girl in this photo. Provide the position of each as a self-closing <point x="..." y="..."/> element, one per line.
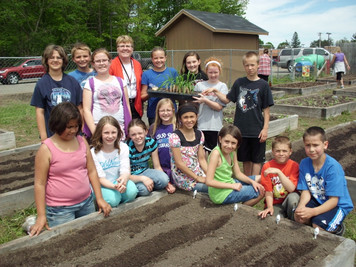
<point x="210" y="116"/>
<point x="53" y="88"/>
<point x="112" y="162"/>
<point x="104" y="95"/>
<point x="141" y="148"/>
<point x="155" y="78"/>
<point x="64" y="170"/>
<point x="223" y="189"/>
<point x="191" y="64"/>
<point x="187" y="154"/>
<point x="161" y="130"/>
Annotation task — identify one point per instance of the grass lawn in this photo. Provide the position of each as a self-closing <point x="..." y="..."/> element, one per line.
<point x="18" y="116"/>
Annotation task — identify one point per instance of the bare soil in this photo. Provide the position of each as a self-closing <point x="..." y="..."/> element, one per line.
<point x="317" y="100"/>
<point x="180" y="231"/>
<point x="299" y="84"/>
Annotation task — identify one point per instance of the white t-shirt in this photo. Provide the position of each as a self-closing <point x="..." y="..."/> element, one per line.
<point x="130" y="80"/>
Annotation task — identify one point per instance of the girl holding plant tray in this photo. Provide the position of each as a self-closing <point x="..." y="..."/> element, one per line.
<point x="155" y="78"/>
<point x="210" y="118"/>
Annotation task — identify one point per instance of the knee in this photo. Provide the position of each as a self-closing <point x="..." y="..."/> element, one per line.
<point x="142" y="190"/>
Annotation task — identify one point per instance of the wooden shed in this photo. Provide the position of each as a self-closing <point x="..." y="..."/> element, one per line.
<point x="225" y="36"/>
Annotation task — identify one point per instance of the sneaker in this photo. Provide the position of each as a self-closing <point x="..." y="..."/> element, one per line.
<point x="341" y="86"/>
<point x="340" y="230"/>
<point x="29" y="222"/>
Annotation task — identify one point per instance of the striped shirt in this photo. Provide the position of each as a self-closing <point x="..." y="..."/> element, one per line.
<point x="139" y="160"/>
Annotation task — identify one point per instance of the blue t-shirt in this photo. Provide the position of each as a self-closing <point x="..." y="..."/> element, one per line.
<point x="48" y="93"/>
<point x="82" y="77"/>
<point x="153" y="78"/>
<point x="139" y="160"/>
<point x="329" y="181"/>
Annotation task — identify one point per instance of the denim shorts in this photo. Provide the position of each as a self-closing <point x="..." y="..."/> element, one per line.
<point x="62" y="214"/>
<point x="246" y="193"/>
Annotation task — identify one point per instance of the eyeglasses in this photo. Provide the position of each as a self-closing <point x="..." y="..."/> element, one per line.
<point x="165" y="110"/>
<point x="124" y="46"/>
<point x="101" y="61"/>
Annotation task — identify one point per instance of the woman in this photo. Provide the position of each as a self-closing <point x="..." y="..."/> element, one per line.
<point x="340" y="60"/>
<point x="130" y="70"/>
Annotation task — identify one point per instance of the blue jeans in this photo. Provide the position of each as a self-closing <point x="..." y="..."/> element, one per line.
<point x="62" y="214"/>
<point x="246" y="193"/>
<point x="200" y="187"/>
<point x="160" y="180"/>
<point x="114" y="197"/>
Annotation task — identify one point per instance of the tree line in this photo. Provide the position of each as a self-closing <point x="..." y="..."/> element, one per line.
<point x="28" y="26"/>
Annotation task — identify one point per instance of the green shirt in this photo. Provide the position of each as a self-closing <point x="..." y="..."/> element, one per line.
<point x="223" y="173"/>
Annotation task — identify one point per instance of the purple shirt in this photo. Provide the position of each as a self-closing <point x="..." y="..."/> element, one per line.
<point x="339" y="57"/>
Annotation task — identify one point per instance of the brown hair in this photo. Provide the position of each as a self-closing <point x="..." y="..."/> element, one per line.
<point x="97" y="140"/>
<point x="184" y="69"/>
<point x="231" y="130"/>
<point x="158" y="120"/>
<point x="48" y="52"/>
<point x="61" y="115"/>
<point x="313" y="131"/>
<point x="100" y="50"/>
<point x="281" y="140"/>
<point x="137" y="122"/>
<point x="80" y="46"/>
<point x="158" y="48"/>
<point x="249" y="55"/>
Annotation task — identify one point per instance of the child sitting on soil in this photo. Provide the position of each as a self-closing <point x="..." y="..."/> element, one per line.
<point x="279" y="177"/>
<point x="111" y="158"/>
<point x="223" y="165"/>
<point x="141" y="149"/>
<point x="187" y="153"/>
<point x="325" y="200"/>
<point x="64" y="170"/>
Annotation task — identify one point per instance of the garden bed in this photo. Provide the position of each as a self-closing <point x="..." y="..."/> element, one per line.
<point x="349" y="79"/>
<point x="178" y="230"/>
<point x="304" y="88"/>
<point x="350" y="91"/>
<point x="315" y="106"/>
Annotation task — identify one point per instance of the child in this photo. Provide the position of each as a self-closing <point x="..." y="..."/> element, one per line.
<point x="81" y="55"/>
<point x="210" y="118"/>
<point x="191" y="64"/>
<point x="64" y="170"/>
<point x="325" y="200"/>
<point x="141" y="149"/>
<point x="279" y="177"/>
<point x="112" y="162"/>
<point x="253" y="97"/>
<point x="161" y="130"/>
<point x="53" y="88"/>
<point x="130" y="70"/>
<point x="104" y="95"/>
<point x="187" y="154"/>
<point x="155" y="78"/>
<point x="223" y="189"/>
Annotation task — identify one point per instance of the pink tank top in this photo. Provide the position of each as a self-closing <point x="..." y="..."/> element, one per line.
<point x="68" y="181"/>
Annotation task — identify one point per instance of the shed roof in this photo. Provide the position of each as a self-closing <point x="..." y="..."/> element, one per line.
<point x="216" y="22"/>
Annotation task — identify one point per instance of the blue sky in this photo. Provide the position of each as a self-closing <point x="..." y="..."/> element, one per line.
<point x="281" y="18"/>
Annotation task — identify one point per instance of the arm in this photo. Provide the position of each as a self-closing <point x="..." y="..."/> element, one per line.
<point x="287" y="184"/>
<point x="219" y="94"/>
<point x="269" y="209"/>
<point x="346" y="63"/>
<point x="264" y="132"/>
<point x="155" y="160"/>
<point x="41" y="124"/>
<point x="144" y="94"/>
<point x="148" y="182"/>
<point x="202" y="159"/>
<point x="87" y="103"/>
<point x="42" y="162"/>
<point x="184" y="168"/>
<point x="94" y="180"/>
<point x="212" y="104"/>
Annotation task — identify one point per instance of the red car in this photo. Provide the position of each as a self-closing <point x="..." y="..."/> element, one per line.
<point x="29" y="68"/>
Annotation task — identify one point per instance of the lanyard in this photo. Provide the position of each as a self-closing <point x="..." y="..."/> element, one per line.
<point x="132" y="70"/>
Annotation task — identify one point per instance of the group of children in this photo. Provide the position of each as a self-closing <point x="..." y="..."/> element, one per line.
<point x="188" y="148"/>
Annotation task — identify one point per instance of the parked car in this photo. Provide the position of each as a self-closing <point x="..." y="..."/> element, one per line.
<point x="26" y="69"/>
<point x="287" y="56"/>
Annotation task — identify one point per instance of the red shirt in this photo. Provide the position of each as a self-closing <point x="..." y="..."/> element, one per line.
<point x="265" y="65"/>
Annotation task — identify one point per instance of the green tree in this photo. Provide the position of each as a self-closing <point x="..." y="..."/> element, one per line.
<point x="295" y="43"/>
<point x="353" y="38"/>
<point x="323" y="43"/>
<point x="269" y="45"/>
<point x="284" y="44"/>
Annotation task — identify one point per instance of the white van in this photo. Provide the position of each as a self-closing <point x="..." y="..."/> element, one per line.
<point x="287" y="56"/>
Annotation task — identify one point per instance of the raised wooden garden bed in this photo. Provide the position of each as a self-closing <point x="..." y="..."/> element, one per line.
<point x="7" y="140"/>
<point x="350" y="91"/>
<point x="304" y="88"/>
<point x="282" y="124"/>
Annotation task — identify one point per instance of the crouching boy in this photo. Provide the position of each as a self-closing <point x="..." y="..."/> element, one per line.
<point x="279" y="177"/>
<point x="325" y="200"/>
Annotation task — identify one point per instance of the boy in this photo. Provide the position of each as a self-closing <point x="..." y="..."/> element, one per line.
<point x="279" y="177"/>
<point x="325" y="200"/>
<point x="252" y="96"/>
<point x="81" y="56"/>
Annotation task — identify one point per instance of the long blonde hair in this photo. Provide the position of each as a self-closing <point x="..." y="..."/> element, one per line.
<point x="158" y="120"/>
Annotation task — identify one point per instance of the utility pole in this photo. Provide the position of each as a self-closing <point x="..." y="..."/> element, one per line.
<point x="319" y="39"/>
<point x="328" y="33"/>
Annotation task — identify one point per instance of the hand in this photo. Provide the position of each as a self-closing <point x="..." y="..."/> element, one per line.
<point x="258" y="187"/>
<point x="199" y="99"/>
<point x="263" y="214"/>
<point x="208" y="91"/>
<point x="271" y="170"/>
<point x="40" y="223"/>
<point x="121" y="185"/>
<point x="103" y="207"/>
<point x="236" y="186"/>
<point x="148" y="182"/>
<point x="303" y="214"/>
<point x="263" y="135"/>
